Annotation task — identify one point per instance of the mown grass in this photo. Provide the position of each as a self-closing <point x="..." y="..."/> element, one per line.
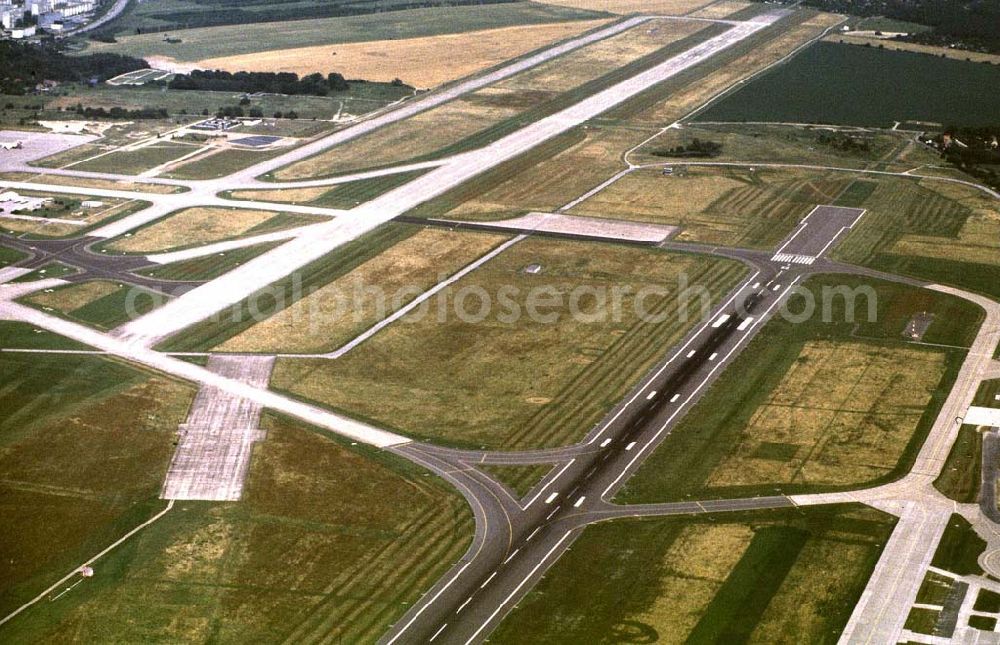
<point x="84" y="445"/>
<point x="50" y="270"/>
<point x="133" y="162"/>
<point x="961" y="474"/>
<point x="326" y="543"/>
<point x="10" y="256"/>
<point x="678" y="579"/>
<point x="214" y="331"/>
<point x="689" y="456"/>
<point x="434" y="377"/>
<point x="520" y="479"/>
<point x="988" y="601"/>
<point x="959" y="549"/>
<point x="19" y="335"/>
<point x="208" y="267"/>
<point x="988" y="393"/>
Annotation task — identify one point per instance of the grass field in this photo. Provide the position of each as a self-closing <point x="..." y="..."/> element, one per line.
<point x="988" y="394"/>
<point x="930" y="230"/>
<point x="208" y="267"/>
<point x="727" y="207"/>
<point x="202" y="225"/>
<point x="843" y="414"/>
<point x="24" y="336"/>
<point x="959" y="548"/>
<point x="864" y="40"/>
<point x="99" y="303"/>
<point x="729" y="578"/>
<point x="961" y="474"/>
<point x="340" y="310"/>
<point x="327" y="542"/>
<point x="420" y="62"/>
<point x="519" y="479"/>
<point x="134" y="162"/>
<point x="678" y="7"/>
<point x="434" y="376"/>
<point x="84" y="446"/>
<point x="813" y="84"/>
<point x="221" y="163"/>
<point x="724" y="445"/>
<point x="212" y="42"/>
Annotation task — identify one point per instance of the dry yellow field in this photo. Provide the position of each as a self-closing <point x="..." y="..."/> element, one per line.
<point x="421" y="62"/>
<point x="604" y="56"/>
<point x="874" y="41"/>
<point x="74" y="296"/>
<point x="421" y="134"/>
<point x="843" y="414"/>
<point x="635" y="6"/>
<point x="287" y="195"/>
<point x="339" y="311"/>
<point x="558" y="180"/>
<point x="721" y="9"/>
<point x="695" y="567"/>
<point x="199" y="225"/>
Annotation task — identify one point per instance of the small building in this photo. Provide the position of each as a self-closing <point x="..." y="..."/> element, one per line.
<point x="533" y="269"/>
<point x="91" y="203"/>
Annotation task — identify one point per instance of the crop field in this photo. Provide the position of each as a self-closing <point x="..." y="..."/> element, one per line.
<point x="929" y="230"/>
<point x="326" y="543"/>
<point x="740" y="577"/>
<point x="843" y="413"/>
<point x="490" y="113"/>
<point x="213" y="42"/>
<point x="432" y="375"/>
<point x="727" y="207"/>
<point x="202" y="225"/>
<point x="864" y="40"/>
<point x="420" y="62"/>
<point x="812" y="86"/>
<point x="334" y="313"/>
<point x="874" y="416"/>
<point x="84" y="447"/>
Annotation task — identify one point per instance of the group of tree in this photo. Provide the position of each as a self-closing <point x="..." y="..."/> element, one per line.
<point x="697" y="148"/>
<point x="121" y="113"/>
<point x="24" y="65"/>
<point x="236" y="111"/>
<point x="971" y="24"/>
<point x="260" y="82"/>
<point x="844" y="142"/>
<point x="975" y="151"/>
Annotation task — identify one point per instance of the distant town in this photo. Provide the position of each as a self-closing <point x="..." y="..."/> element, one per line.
<point x="22" y="19"/>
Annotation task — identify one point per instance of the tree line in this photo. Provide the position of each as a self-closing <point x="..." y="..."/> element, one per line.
<point x="263" y="82"/>
<point x="24" y="65"/>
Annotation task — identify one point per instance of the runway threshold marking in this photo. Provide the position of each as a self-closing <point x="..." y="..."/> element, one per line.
<point x="651" y="395"/>
<point x="579" y="502"/>
<point x="720" y="321"/>
<point x="604" y="444"/>
<point x="692" y="353"/>
<point x="746" y="323"/>
<point x="713" y="356"/>
<point x="674" y="398"/>
<point x="630" y="446"/>
<point x="551" y="498"/>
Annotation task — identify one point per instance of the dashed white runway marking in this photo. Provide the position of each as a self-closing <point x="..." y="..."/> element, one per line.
<point x="551" y="498"/>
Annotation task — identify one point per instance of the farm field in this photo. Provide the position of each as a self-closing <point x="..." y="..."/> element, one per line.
<point x="339" y="310"/>
<point x="420" y="62"/>
<point x="814" y="83"/>
<point x="202" y="225"/>
<point x="213" y="42"/>
<point x="88" y="440"/>
<point x="732" y="207"/>
<point x="927" y="229"/>
<point x="297" y="556"/>
<point x="489" y="113"/>
<point x="757" y="430"/>
<point x="863" y="40"/>
<point x="436" y="380"/>
<point x="732" y="577"/>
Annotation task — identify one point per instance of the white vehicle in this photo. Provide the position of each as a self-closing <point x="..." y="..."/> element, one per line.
<point x="10" y="145"/>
